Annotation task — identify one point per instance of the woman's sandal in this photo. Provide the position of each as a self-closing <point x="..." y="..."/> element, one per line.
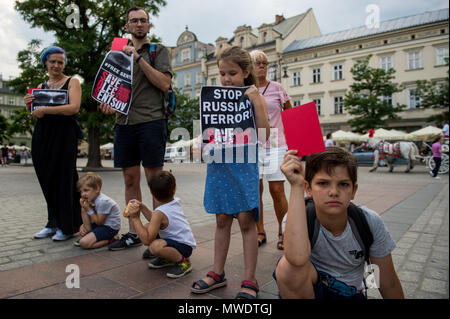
<point x="262" y="241"/>
<point x="249" y="285"/>
<point x="219" y="281"/>
<point x="280" y="244"/>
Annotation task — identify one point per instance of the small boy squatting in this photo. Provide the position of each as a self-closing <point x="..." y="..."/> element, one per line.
<point x="331" y="270"/>
<point x="176" y="241"/>
<point x="100" y="214"/>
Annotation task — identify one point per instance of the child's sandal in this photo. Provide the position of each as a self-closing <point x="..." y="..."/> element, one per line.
<point x="249" y="285"/>
<point x="280" y="244"/>
<point x="262" y="241"/>
<point x="219" y="281"/>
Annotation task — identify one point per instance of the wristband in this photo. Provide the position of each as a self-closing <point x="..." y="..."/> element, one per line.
<point x="137" y="60"/>
<point x="90" y="212"/>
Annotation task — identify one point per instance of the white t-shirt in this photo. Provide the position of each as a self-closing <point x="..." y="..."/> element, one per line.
<point x="178" y="228"/>
<point x="445" y="129"/>
<point x="329" y="143"/>
<point x="104" y="205"/>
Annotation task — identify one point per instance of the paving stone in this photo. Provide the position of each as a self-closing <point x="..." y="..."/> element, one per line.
<point x="435" y="286"/>
<point x="410" y="276"/>
<point x="436" y="273"/>
<point x="418" y="258"/>
<point x="428" y="295"/>
<point x="413" y="266"/>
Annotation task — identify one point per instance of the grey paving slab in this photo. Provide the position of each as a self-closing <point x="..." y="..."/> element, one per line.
<point x="417" y="220"/>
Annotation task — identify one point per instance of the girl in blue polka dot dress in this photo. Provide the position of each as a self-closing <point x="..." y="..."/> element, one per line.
<point x="232" y="189"/>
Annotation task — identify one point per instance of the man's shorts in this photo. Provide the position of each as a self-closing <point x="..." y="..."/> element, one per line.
<point x="183" y="249"/>
<point x="144" y="142"/>
<point x="103" y="232"/>
<point x="269" y="162"/>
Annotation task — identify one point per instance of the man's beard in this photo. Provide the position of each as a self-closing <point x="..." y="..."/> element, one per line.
<point x="139" y="37"/>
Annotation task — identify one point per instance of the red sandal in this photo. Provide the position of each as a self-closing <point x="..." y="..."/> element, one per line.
<point x="249" y="285"/>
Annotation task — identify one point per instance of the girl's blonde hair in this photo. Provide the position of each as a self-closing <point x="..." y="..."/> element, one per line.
<point x="242" y="58"/>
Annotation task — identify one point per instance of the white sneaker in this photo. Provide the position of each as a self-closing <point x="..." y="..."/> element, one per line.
<point x="437" y="177"/>
<point x="46" y="232"/>
<point x="60" y="236"/>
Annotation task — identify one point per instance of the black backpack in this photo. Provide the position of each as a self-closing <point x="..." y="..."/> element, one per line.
<point x="170" y="100"/>
<point x="356" y="218"/>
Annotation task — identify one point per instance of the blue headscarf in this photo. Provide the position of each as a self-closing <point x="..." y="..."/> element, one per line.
<point x="51" y="50"/>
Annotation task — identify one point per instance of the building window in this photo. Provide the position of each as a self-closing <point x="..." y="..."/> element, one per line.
<point x="198" y="77"/>
<point x="338" y="72"/>
<point x="414" y="60"/>
<point x="1" y="99"/>
<point x="318" y="106"/>
<point x="213" y="81"/>
<point x="386" y="62"/>
<point x="414" y="99"/>
<point x="273" y="73"/>
<point x="185" y="54"/>
<point x="387" y="99"/>
<point x="187" y="80"/>
<point x="11" y="101"/>
<point x="265" y="37"/>
<point x="296" y="80"/>
<point x="316" y="75"/>
<point x="338" y="105"/>
<point x="441" y="55"/>
<point x="242" y="42"/>
<point x="297" y="102"/>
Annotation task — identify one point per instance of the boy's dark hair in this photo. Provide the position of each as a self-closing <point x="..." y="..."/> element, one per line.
<point x="328" y="160"/>
<point x="136" y="9"/>
<point x="162" y="185"/>
<point x="90" y="179"/>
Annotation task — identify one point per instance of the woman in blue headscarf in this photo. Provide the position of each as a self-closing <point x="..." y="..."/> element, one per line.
<point x="54" y="148"/>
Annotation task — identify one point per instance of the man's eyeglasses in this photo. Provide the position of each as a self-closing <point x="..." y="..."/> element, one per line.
<point x="258" y="63"/>
<point x="135" y="21"/>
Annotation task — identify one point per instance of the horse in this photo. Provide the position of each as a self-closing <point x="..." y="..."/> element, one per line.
<point x="390" y="152"/>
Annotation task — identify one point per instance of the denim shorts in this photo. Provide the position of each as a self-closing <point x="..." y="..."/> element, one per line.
<point x="103" y="232"/>
<point x="183" y="249"/>
<point x="144" y="142"/>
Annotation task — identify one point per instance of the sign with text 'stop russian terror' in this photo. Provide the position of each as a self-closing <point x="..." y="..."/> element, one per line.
<point x="226" y="116"/>
<point x="113" y="83"/>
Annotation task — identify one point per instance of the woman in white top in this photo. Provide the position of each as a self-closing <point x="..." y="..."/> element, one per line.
<point x="271" y="154"/>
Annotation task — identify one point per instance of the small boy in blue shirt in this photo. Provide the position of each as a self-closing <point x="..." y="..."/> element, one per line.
<point x="100" y="214"/>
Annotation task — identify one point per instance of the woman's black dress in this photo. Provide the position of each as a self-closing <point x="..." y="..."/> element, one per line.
<point x="54" y="153"/>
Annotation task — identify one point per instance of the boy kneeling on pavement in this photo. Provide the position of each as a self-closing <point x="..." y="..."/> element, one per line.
<point x="176" y="240"/>
<point x="334" y="267"/>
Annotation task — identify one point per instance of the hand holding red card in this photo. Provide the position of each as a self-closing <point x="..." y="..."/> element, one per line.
<point x="302" y="129"/>
<point x="118" y="44"/>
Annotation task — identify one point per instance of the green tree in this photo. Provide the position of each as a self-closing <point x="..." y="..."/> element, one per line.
<point x="3" y="129"/>
<point x="21" y="122"/>
<point x="85" y="31"/>
<point x="187" y="111"/>
<point x="365" y="99"/>
<point x="434" y="95"/>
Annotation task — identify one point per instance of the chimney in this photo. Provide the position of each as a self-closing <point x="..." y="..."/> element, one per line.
<point x="278" y="19"/>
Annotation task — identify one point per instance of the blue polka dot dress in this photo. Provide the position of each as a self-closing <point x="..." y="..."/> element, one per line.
<point x="232" y="188"/>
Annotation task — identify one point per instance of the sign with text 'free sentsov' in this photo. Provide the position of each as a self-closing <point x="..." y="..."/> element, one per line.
<point x="226" y="116"/>
<point x="113" y="82"/>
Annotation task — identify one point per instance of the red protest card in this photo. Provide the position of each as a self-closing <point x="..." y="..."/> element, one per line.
<point x="118" y="44"/>
<point x="30" y="91"/>
<point x="302" y="129"/>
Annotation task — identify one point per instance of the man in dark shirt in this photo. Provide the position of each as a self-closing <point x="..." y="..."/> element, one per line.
<point x="141" y="135"/>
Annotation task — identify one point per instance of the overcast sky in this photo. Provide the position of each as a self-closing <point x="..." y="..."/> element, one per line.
<point x="211" y="19"/>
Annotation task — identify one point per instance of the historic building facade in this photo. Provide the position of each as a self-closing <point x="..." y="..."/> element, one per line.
<point x="318" y="69"/>
<point x="186" y="63"/>
<point x="10" y="101"/>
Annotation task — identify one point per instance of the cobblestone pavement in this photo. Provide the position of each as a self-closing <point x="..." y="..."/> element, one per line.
<point x="413" y="206"/>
